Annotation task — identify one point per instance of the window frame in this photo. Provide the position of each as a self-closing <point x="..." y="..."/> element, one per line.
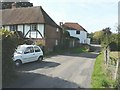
<point x="37" y="48"/>
<point x="28" y="52"/>
<point x="34" y="27"/>
<point x="13" y="27"/>
<point x="77" y="32"/>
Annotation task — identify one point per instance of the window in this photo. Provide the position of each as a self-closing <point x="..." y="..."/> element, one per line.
<point x="77" y="32"/>
<point x="34" y="27"/>
<point x="29" y="50"/>
<point x="37" y="49"/>
<point x="57" y="30"/>
<point x="56" y="42"/>
<point x="13" y="27"/>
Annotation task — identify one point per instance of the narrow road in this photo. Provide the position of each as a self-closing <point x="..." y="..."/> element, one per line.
<point x="60" y="71"/>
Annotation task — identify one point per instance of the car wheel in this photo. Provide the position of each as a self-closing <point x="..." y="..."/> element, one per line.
<point x="18" y="63"/>
<point x="40" y="58"/>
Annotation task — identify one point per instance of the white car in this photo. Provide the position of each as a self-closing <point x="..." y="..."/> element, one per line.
<point x="27" y="53"/>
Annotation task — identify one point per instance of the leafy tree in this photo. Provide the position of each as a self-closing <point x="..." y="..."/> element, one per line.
<point x="98" y="36"/>
<point x="102" y="36"/>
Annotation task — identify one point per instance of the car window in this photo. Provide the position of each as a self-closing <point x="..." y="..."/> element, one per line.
<point x="20" y="49"/>
<point x="29" y="50"/>
<point x="37" y="49"/>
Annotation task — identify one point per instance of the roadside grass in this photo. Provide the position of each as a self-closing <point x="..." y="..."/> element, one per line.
<point x="100" y="77"/>
<point x="115" y="55"/>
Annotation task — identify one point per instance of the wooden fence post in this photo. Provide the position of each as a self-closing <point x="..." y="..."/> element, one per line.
<point x="116" y="70"/>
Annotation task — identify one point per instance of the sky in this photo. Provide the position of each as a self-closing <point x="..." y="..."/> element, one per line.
<point x="93" y="15"/>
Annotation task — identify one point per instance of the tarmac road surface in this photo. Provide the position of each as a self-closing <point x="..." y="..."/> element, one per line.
<point x="60" y="71"/>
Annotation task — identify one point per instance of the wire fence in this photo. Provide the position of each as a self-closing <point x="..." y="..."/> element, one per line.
<point x="111" y="63"/>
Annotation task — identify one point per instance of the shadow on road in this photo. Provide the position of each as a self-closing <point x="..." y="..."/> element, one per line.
<point x="33" y="80"/>
<point x="37" y="65"/>
<point x="84" y="55"/>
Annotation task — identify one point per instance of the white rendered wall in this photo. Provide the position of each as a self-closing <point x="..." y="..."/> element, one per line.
<point x="82" y="36"/>
<point x="40" y="28"/>
<point x="20" y="28"/>
<point x="26" y="28"/>
<point x="88" y="40"/>
<point x="7" y="28"/>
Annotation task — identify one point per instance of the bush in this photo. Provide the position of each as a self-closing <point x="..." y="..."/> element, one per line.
<point x="113" y="46"/>
<point x="9" y="43"/>
<point x="28" y="42"/>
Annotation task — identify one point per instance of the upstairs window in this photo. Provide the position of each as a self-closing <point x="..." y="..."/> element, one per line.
<point x="34" y="27"/>
<point x="13" y="27"/>
<point x="77" y="32"/>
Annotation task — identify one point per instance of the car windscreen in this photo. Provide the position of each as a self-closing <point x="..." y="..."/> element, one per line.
<point x="20" y="49"/>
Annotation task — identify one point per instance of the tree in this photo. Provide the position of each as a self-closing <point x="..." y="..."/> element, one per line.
<point x="98" y="36"/>
<point x="103" y="35"/>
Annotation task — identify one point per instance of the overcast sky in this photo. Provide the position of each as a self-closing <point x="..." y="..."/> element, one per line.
<point x="93" y="15"/>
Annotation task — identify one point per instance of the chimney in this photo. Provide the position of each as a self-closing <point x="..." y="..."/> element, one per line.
<point x="13" y="5"/>
<point x="61" y="23"/>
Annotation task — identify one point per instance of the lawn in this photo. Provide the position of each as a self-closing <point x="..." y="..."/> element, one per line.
<point x="100" y="78"/>
<point x="115" y="54"/>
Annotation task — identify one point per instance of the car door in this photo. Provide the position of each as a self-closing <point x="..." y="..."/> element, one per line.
<point x="29" y="54"/>
<point x="38" y="52"/>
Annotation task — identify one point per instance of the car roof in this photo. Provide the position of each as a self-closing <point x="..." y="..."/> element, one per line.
<point x="24" y="45"/>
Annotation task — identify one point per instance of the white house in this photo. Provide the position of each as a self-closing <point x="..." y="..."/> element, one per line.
<point x="77" y="31"/>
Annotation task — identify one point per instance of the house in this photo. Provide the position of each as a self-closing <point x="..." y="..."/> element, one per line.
<point x="34" y="23"/>
<point x="77" y="31"/>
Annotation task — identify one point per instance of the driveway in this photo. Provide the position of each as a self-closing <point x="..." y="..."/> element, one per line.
<point x="60" y="71"/>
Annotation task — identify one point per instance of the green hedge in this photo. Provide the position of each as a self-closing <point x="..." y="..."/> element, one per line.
<point x="9" y="43"/>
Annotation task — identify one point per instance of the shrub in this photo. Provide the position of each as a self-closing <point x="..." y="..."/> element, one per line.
<point x="113" y="46"/>
<point x="28" y="41"/>
<point x="9" y="43"/>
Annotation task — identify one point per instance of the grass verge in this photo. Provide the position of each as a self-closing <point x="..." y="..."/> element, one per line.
<point x="100" y="78"/>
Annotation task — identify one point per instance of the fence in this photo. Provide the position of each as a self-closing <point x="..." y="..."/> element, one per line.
<point x="111" y="63"/>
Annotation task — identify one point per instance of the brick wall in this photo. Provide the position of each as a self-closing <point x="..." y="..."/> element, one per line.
<point x="51" y="35"/>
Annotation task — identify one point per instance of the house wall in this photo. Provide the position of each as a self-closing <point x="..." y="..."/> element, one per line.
<point x="52" y="37"/>
<point x="88" y="40"/>
<point x="40" y="28"/>
<point x="7" y="27"/>
<point x="20" y="28"/>
<point x="25" y="28"/>
<point x="82" y="36"/>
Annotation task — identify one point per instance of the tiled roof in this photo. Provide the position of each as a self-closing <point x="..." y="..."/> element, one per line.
<point x="73" y="26"/>
<point x="26" y="16"/>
